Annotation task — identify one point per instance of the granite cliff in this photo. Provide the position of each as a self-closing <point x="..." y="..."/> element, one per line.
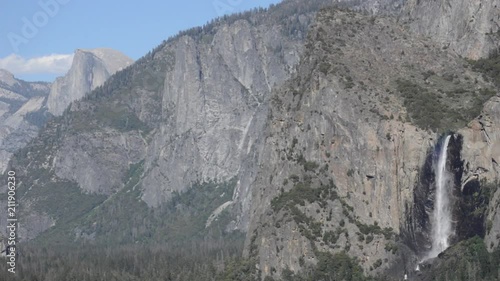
<point x="470" y="28"/>
<point x="21" y="113"/>
<point x="26" y="106"/>
<point x="90" y="69"/>
<point x="312" y="131"/>
<point x="345" y="144"/>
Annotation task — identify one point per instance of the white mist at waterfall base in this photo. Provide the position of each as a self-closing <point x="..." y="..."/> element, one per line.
<point x="442" y="214"/>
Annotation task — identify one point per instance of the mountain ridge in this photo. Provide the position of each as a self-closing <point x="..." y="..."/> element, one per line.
<point x="326" y="136"/>
<point x="90" y="69"/>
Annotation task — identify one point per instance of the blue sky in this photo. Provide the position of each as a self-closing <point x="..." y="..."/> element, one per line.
<point x="37" y="37"/>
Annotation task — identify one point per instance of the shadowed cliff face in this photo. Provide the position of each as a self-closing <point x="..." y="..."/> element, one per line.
<point x="474" y="205"/>
<point x="481" y="154"/>
<point x="470" y="205"/>
<point x="418" y="227"/>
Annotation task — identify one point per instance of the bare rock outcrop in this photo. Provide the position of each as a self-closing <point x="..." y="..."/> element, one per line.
<point x="21" y="109"/>
<point x="469" y="27"/>
<point x="90" y="69"/>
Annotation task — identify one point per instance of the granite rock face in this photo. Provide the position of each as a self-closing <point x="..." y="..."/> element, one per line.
<point x="78" y="159"/>
<point x="468" y="27"/>
<point x="342" y="123"/>
<point x="481" y="153"/>
<point x="252" y="97"/>
<point x="214" y="104"/>
<point x="192" y="110"/>
<point x="373" y="7"/>
<point x="26" y="106"/>
<point x="21" y="113"/>
<point x="90" y="69"/>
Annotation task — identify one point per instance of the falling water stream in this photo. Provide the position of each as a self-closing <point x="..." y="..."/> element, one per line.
<point x="441" y="216"/>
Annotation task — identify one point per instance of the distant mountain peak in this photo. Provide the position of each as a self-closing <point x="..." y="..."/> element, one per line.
<point x="89" y="70"/>
<point x="114" y="59"/>
<point x="7" y="77"/>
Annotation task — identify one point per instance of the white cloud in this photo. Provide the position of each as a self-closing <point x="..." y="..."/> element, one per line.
<point x="51" y="64"/>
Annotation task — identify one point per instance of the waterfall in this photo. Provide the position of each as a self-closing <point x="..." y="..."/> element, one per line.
<point x="442" y="215"/>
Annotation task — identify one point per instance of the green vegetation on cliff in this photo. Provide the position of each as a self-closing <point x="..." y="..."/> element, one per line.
<point x="467" y="261"/>
<point x="490" y="67"/>
<point x="439" y="108"/>
<point x="331" y="267"/>
<point x="125" y="219"/>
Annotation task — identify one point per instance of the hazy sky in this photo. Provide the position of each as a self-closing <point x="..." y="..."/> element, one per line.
<point x="38" y="37"/>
